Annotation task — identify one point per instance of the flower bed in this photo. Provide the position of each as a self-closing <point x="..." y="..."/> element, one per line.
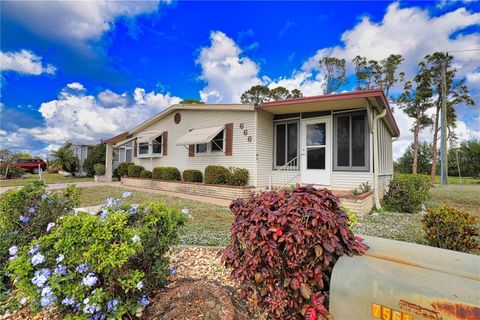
<point x="195" y="188"/>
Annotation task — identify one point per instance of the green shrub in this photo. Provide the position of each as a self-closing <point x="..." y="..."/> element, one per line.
<point x="166" y="173"/>
<point x="237" y="177"/>
<point x="96" y="265"/>
<point x="122" y="169"/>
<point x="352" y="217"/>
<point x="25" y="214"/>
<point x="96" y="155"/>
<point x="99" y="169"/>
<point x="146" y="174"/>
<point x="134" y="171"/>
<point x="451" y="228"/>
<point x="192" y="175"/>
<point x="12" y="172"/>
<point x="216" y="175"/>
<point x="407" y="192"/>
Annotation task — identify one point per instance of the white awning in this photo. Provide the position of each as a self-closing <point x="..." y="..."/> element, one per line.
<point x="199" y="136"/>
<point x="148" y="136"/>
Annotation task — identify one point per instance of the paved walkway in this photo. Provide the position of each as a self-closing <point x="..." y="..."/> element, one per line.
<point x="89" y="184"/>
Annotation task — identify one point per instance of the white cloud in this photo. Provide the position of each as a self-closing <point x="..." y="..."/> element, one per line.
<point x="411" y="32"/>
<point x="73" y="20"/>
<point x="310" y="83"/>
<point x="74" y="115"/>
<point x="227" y="74"/>
<point x="24" y="62"/>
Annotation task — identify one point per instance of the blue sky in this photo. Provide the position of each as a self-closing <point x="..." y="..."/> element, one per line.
<point x="86" y="71"/>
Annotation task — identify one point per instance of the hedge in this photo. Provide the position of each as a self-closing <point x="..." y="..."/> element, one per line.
<point x="192" y="175"/>
<point x="216" y="175"/>
<point x="166" y="173"/>
<point x="134" y="171"/>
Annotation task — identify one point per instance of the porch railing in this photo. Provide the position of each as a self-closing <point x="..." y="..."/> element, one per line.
<point x="290" y="166"/>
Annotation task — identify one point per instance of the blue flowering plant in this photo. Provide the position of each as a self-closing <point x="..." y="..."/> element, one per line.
<point x="28" y="213"/>
<point x="98" y="266"/>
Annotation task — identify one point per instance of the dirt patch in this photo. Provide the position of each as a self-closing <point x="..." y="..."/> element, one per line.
<point x="195" y="299"/>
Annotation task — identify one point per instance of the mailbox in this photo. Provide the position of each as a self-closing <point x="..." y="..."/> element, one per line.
<point x="403" y="281"/>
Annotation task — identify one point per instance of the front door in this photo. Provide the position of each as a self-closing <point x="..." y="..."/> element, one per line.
<point x="315" y="151"/>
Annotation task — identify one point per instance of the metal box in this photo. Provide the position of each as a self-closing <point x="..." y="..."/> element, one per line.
<point x="404" y="281"/>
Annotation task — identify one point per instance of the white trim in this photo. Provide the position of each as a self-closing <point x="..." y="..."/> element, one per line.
<point x="255" y="151"/>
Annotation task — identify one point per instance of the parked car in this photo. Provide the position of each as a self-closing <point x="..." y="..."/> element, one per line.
<point x="30" y="165"/>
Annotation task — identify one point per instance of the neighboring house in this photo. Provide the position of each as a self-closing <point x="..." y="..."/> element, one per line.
<point x="338" y="141"/>
<point x="81" y="151"/>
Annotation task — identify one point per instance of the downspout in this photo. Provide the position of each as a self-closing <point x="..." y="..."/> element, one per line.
<point x="376" y="197"/>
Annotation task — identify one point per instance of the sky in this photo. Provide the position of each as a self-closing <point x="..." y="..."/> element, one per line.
<point x="86" y="71"/>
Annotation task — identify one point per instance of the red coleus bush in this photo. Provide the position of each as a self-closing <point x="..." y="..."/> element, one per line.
<point x="283" y="247"/>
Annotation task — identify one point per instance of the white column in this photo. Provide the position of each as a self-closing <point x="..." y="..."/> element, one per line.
<point x="108" y="162"/>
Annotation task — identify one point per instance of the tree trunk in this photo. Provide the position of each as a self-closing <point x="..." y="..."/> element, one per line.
<point x="416" y="131"/>
<point x="434" y="144"/>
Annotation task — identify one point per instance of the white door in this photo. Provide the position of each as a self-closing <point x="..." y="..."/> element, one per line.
<point x="316" y="145"/>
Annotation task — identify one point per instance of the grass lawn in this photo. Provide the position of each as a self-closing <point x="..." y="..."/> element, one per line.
<point x="210" y="224"/>
<point x="456" y="180"/>
<point x="49" y="179"/>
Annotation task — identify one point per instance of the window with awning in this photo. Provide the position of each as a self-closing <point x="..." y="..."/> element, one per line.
<point x="150" y="143"/>
<point x="200" y="136"/>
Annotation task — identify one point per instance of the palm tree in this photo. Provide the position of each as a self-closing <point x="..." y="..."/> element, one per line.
<point x="65" y="159"/>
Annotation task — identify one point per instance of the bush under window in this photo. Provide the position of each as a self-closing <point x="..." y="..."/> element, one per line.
<point x="134" y="171"/>
<point x="166" y="173"/>
<point x="238" y="177"/>
<point x="216" y="175"/>
<point x="122" y="169"/>
<point x="192" y="175"/>
<point x="451" y="228"/>
<point x="407" y="192"/>
<point x="283" y="248"/>
<point x="146" y="174"/>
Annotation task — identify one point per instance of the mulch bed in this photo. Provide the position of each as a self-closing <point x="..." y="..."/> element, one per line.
<point x="201" y="289"/>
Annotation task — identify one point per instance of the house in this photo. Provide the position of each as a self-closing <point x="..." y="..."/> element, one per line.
<point x="338" y="141"/>
<point x="81" y="151"/>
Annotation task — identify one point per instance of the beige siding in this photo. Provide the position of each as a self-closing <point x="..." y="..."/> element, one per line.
<point x="243" y="150"/>
<point x="264" y="147"/>
<point x="385" y="154"/>
<point x="350" y="180"/>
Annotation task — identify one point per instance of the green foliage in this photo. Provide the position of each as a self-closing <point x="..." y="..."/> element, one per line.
<point x="237" y="177"/>
<point x="352" y="218"/>
<point x="166" y="173"/>
<point x="96" y="155"/>
<point x="12" y="172"/>
<point x="134" y="171"/>
<point x="468" y="159"/>
<point x="259" y="94"/>
<point x="66" y="160"/>
<point x="9" y="156"/>
<point x="122" y="169"/>
<point x="191" y="101"/>
<point x="146" y="174"/>
<point x="192" y="175"/>
<point x="335" y="73"/>
<point x="406" y="192"/>
<point x="26" y="212"/>
<point x="103" y="264"/>
<point x="216" y="175"/>
<point x="364" y="187"/>
<point x="424" y="161"/>
<point x="99" y="169"/>
<point x="451" y="228"/>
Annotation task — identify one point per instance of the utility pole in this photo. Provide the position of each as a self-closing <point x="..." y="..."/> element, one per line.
<point x="444" y="153"/>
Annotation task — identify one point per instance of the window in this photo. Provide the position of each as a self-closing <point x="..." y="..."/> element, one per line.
<point x="116" y="154"/>
<point x="201" y="148"/>
<point x="214" y="146"/>
<point x="157" y="145"/>
<point x="286" y="142"/>
<point x="351" y="144"/>
<point x="217" y="142"/>
<point x="143" y="148"/>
